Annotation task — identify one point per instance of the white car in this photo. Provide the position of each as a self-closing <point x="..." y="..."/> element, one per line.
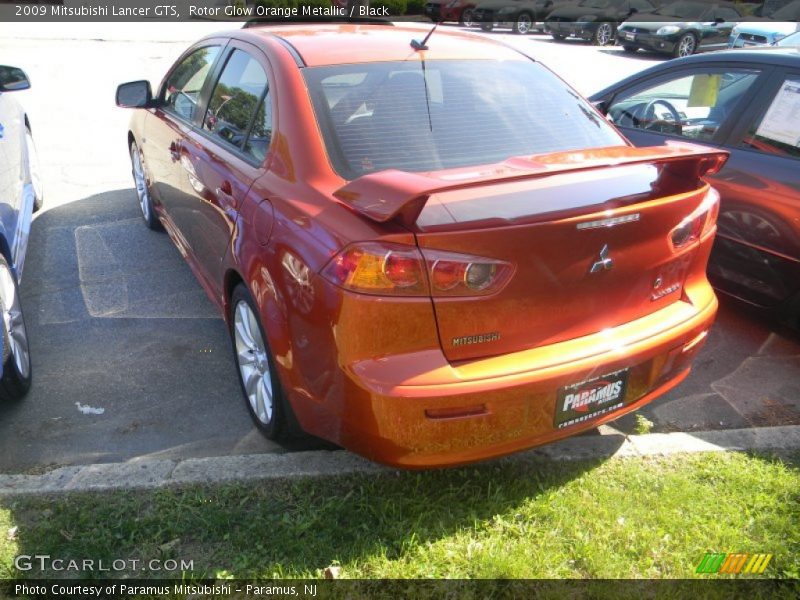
<point x="20" y="195"/>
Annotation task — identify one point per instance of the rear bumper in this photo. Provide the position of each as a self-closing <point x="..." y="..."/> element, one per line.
<point x="418" y="410"/>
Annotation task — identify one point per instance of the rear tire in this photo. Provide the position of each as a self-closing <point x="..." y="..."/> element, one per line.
<point x="631" y="49"/>
<point x="524" y="24"/>
<point x="266" y="402"/>
<point x="604" y="35"/>
<point x="17" y="373"/>
<point x="558" y="37"/>
<point x="487" y="26"/>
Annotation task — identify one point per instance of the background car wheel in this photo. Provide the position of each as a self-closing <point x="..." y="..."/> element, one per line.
<point x="142" y="191"/>
<point x="266" y="402"/>
<point x="630" y="49"/>
<point x="487" y="26"/>
<point x="523" y="24"/>
<point x="558" y="37"/>
<point x="33" y="171"/>
<point x="604" y="35"/>
<point x="685" y="46"/>
<point x="16" y="379"/>
<point x="466" y="18"/>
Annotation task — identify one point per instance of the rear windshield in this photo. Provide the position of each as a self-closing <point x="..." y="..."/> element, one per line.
<point x="447" y="114"/>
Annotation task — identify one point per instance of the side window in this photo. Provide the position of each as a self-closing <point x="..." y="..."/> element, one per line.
<point x="777" y="129"/>
<point x="236" y="96"/>
<point x="692" y="106"/>
<point x="182" y="89"/>
<point x="641" y="6"/>
<point x="260" y="136"/>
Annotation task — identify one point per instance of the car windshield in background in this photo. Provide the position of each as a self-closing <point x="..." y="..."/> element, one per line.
<point x="790" y="40"/>
<point x="447" y="114"/>
<point x="683" y="10"/>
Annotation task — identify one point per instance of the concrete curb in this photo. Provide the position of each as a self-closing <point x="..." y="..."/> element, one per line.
<point x="151" y="473"/>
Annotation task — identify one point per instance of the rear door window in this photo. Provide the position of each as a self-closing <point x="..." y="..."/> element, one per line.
<point x="237" y="94"/>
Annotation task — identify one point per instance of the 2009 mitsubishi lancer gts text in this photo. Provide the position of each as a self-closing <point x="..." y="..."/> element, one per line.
<point x="430" y="252"/>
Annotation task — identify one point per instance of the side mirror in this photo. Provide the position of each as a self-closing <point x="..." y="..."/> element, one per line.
<point x="718" y="20"/>
<point x="135" y="94"/>
<point x="13" y="79"/>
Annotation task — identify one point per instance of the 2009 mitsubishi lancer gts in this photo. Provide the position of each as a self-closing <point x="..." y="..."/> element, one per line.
<point x="430" y="252"/>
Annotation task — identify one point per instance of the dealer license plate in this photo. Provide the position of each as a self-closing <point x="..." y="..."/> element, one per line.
<point x="630" y="36"/>
<point x="581" y="402"/>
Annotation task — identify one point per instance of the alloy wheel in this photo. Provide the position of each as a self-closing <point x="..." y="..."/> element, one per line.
<point x="524" y="23"/>
<point x="13" y="322"/>
<point x="253" y="361"/>
<point x="686" y="45"/>
<point x="604" y="34"/>
<point x="141" y="183"/>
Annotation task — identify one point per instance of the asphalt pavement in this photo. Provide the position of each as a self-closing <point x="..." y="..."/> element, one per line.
<point x="131" y="360"/>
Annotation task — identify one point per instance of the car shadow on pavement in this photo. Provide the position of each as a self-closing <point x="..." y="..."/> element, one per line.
<point x="130" y="358"/>
<point x="641" y="54"/>
<point x="747" y="375"/>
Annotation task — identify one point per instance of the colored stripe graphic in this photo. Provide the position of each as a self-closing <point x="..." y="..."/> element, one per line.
<point x="721" y="562"/>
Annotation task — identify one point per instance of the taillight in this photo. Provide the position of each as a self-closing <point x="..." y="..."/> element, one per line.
<point x="453" y="274"/>
<point x="697" y="224"/>
<point x="376" y="268"/>
<point x="400" y="270"/>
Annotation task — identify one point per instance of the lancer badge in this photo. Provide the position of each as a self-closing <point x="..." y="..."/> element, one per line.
<point x="605" y="263"/>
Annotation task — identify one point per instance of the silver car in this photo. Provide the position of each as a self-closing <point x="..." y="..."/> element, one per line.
<point x="20" y="195"/>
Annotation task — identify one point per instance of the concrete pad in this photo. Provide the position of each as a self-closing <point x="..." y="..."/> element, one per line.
<point x="662" y="444"/>
<point x="145" y="474"/>
<point x="136" y="474"/>
<point x="53" y="481"/>
<point x="270" y="466"/>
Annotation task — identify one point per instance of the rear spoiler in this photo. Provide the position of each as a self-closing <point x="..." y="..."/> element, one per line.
<point x="401" y="195"/>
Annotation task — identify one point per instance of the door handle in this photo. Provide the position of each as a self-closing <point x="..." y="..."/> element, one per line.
<point x="226" y="188"/>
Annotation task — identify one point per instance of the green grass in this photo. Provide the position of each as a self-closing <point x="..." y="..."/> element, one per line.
<point x="622" y="518"/>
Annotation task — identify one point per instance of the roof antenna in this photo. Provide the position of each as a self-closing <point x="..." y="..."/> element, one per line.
<point x="417" y="45"/>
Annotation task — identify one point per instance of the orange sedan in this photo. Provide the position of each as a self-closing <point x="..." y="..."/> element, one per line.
<point x="430" y="252"/>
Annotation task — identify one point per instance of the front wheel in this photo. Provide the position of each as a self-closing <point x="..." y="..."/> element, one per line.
<point x="266" y="402"/>
<point x="603" y="35"/>
<point x="523" y="24"/>
<point x="142" y="190"/>
<point x="685" y="46"/>
<point x="16" y="379"/>
<point x="487" y="26"/>
<point x="466" y="18"/>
